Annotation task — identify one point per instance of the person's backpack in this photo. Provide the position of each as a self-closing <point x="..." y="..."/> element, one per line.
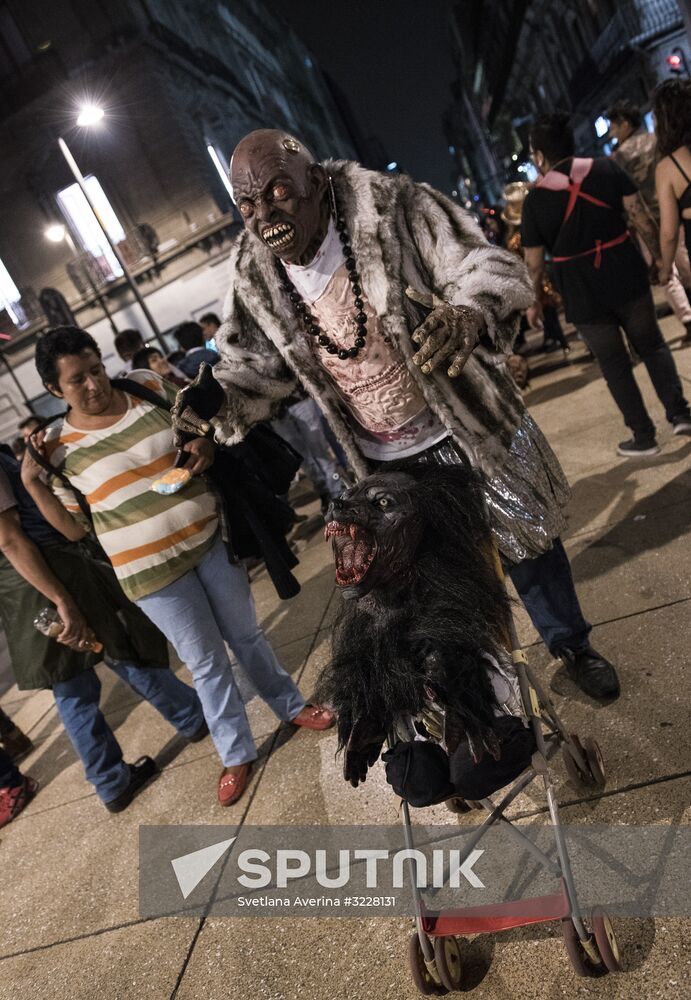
<point x="555" y="180"/>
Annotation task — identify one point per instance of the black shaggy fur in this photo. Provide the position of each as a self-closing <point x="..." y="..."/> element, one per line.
<point x="422" y="632"/>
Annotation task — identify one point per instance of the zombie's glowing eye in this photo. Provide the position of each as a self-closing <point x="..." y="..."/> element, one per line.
<point x="383" y="502"/>
<point x="245" y="209"/>
<point x="280" y="192"/>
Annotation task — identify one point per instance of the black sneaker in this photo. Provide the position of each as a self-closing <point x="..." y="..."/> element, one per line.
<point x="200" y="734"/>
<point x="638" y="449"/>
<point x="681" y="425"/>
<point x="16" y="743"/>
<point x="140" y="772"/>
<point x="591" y="672"/>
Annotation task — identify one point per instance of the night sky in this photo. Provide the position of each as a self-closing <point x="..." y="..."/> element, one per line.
<point x="391" y="59"/>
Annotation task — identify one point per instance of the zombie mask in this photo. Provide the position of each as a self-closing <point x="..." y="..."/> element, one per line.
<point x="281" y="194"/>
<point x="375" y="529"/>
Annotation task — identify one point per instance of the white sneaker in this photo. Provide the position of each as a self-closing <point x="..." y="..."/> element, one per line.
<point x="682" y="425"/>
<point x="638" y="449"/>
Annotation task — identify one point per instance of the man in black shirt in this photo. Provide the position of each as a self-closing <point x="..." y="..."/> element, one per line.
<point x="578" y="212"/>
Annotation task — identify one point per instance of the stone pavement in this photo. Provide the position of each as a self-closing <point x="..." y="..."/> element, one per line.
<point x="69" y="921"/>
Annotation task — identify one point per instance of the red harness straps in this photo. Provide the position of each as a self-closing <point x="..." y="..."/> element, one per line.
<point x="556" y="181"/>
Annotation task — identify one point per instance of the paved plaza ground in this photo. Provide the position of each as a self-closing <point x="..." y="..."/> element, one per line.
<point x="69" y="916"/>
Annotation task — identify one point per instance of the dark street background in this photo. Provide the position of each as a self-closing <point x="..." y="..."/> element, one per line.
<point x="391" y="59"/>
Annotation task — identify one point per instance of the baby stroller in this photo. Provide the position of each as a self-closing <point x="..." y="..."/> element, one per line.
<point x="435" y="953"/>
<point x="416" y="542"/>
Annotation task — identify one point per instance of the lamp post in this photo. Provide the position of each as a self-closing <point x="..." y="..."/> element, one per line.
<point x="90" y="115"/>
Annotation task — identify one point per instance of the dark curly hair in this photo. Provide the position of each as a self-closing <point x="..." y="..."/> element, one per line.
<point x="672" y="107"/>
<point x="625" y="111"/>
<point x="59" y="343"/>
<point x="552" y="135"/>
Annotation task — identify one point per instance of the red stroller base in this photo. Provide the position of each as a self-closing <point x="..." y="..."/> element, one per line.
<point x="498" y="916"/>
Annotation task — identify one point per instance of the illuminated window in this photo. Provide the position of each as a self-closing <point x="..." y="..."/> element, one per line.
<point x="9" y="296"/>
<point x="86" y="227"/>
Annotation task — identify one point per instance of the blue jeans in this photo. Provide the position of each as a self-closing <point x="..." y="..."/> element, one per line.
<point x="302" y="426"/>
<point x="92" y="738"/>
<point x="206" y="606"/>
<point x="545" y="586"/>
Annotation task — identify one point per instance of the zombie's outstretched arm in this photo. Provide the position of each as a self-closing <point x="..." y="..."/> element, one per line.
<point x="478" y="288"/>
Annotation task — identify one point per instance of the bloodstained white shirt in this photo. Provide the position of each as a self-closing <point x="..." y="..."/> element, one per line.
<point x="388" y="413"/>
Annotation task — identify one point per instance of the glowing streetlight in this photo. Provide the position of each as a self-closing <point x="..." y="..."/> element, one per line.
<point x="89" y="115"/>
<point x="56" y="233"/>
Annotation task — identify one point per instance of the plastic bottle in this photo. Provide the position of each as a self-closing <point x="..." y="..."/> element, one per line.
<point x="49" y="622"/>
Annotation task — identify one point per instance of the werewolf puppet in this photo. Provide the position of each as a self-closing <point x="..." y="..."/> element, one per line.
<point x="422" y="634"/>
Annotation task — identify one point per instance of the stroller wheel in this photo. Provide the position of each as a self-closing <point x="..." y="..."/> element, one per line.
<point x="425" y="978"/>
<point x="606" y="939"/>
<point x="576" y="775"/>
<point x="447" y="955"/>
<point x="596" y="764"/>
<point x="581" y="961"/>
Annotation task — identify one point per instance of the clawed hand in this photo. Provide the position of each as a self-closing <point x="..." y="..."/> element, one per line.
<point x="449" y="332"/>
<point x="362" y="750"/>
<point x="195" y="405"/>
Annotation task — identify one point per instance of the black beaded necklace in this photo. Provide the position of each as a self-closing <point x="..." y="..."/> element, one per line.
<point x="305" y="316"/>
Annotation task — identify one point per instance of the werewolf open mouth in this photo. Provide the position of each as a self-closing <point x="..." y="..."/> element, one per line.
<point x="280" y="236"/>
<point x="354" y="551"/>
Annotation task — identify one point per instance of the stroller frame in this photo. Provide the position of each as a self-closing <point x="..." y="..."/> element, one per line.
<point x="434" y="953"/>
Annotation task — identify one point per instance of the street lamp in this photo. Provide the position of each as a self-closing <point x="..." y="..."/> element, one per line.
<point x="91" y="115"/>
<point x="56" y="233"/>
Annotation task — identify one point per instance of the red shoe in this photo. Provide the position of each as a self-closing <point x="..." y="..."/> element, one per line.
<point x="315" y="717"/>
<point x="13" y="800"/>
<point x="232" y="785"/>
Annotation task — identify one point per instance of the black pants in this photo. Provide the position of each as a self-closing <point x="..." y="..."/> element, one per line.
<point x="637" y="320"/>
<point x="554" y="332"/>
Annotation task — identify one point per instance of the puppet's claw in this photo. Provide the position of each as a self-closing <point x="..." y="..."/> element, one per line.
<point x="362" y="750"/>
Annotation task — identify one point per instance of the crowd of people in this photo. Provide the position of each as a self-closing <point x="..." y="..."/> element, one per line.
<point x="367" y="320"/>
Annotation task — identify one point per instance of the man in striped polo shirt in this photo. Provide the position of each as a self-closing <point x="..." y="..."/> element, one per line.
<point x="166" y="550"/>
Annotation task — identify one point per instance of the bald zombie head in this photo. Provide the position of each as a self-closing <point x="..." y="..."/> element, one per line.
<point x="281" y="193"/>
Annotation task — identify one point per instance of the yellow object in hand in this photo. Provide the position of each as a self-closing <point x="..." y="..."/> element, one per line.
<point x="172" y="481"/>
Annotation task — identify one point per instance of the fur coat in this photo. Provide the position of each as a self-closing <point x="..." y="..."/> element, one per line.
<point x="402" y="234"/>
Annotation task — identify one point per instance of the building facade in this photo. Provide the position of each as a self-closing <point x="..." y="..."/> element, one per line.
<point x="180" y="82"/>
<point x="518" y="58"/>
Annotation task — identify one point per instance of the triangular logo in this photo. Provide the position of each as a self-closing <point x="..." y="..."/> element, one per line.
<point x="190" y="869"/>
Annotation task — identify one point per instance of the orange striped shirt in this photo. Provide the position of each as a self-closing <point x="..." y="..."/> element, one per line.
<point x="151" y="540"/>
